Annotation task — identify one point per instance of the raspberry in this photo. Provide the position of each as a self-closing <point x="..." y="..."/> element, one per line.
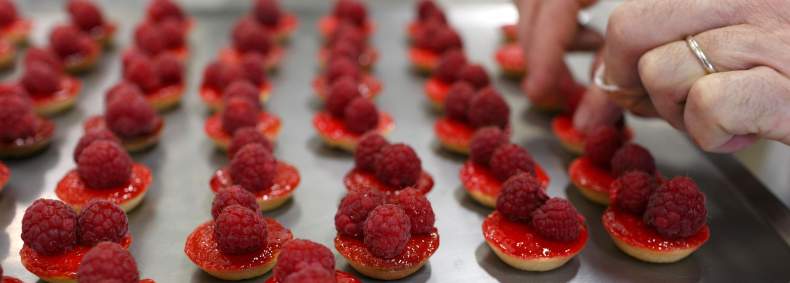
<point x="8" y="13"/>
<point x="130" y="116"/>
<point x="345" y="49"/>
<point x="488" y="109"/>
<point x="121" y="89"/>
<point x="233" y="195"/>
<point x="352" y="11"/>
<point x="41" y="55"/>
<point x="108" y="262"/>
<point x="361" y="115"/>
<point x="427" y="9"/>
<point x="484" y="142"/>
<point x="85" y="14"/>
<point x="387" y="231"/>
<point x="450" y="65"/>
<point x="40" y="79"/>
<point x="92" y="136"/>
<point x="354" y="209"/>
<point x="173" y="33"/>
<point x="49" y="227"/>
<point x="267" y="12"/>
<point x="245" y="136"/>
<point x="367" y="151"/>
<point x="676" y="209"/>
<point x="632" y="157"/>
<point x="67" y="40"/>
<point x="248" y="36"/>
<point x="142" y="71"/>
<point x="418" y="208"/>
<point x="398" y="166"/>
<point x="459" y="97"/>
<point x="239" y="113"/>
<point x="169" y="69"/>
<point x="253" y="168"/>
<point x="601" y="144"/>
<point x="424" y="39"/>
<point x="17" y="119"/>
<point x="509" y="160"/>
<point x="341" y="93"/>
<point x="101" y="221"/>
<point x="161" y="10"/>
<point x="312" y="273"/>
<point x="239" y="230"/>
<point x="148" y="37"/>
<point x="346" y="32"/>
<point x="104" y="165"/>
<point x="446" y="39"/>
<point x="297" y="254"/>
<point x="252" y="66"/>
<point x="244" y="90"/>
<point x="342" y="67"/>
<point x="557" y="220"/>
<point x="632" y="190"/>
<point x="520" y="196"/>
<point x="474" y="74"/>
<point x="219" y="75"/>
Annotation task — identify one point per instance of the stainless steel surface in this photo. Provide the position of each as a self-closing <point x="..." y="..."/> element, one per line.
<point x="744" y="218"/>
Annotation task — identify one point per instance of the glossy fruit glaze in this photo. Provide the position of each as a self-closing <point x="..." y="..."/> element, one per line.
<point x="98" y="123"/>
<point x="436" y="91"/>
<point x="369" y="86"/>
<point x="418" y="250"/>
<point x="9" y="279"/>
<point x="423" y="58"/>
<point x="520" y="240"/>
<point x="583" y="172"/>
<point x="74" y="192"/>
<point x="453" y="132"/>
<point x="212" y="96"/>
<point x="268" y="124"/>
<point x="285" y="182"/>
<point x="44" y="131"/>
<point x="340" y="276"/>
<point x="62" y="265"/>
<point x="165" y="93"/>
<point x="478" y="178"/>
<point x="328" y="24"/>
<point x="510" y="58"/>
<point x="334" y="129"/>
<point x="360" y="180"/>
<point x="271" y="62"/>
<point x="5" y="174"/>
<point x="69" y="88"/>
<point x="632" y="230"/>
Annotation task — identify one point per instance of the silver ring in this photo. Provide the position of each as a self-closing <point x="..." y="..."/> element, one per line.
<point x="600" y="82"/>
<point x="697" y="50"/>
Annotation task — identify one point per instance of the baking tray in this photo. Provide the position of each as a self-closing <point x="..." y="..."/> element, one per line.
<point x="749" y="227"/>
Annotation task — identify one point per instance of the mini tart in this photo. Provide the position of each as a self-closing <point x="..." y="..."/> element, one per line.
<point x="361" y="180"/>
<point x="484" y="187"/>
<point x="17" y="32"/>
<point x="9" y="279"/>
<point x="284" y="184"/>
<point x="80" y="63"/>
<point x="104" y="34"/>
<point x="59" y="268"/>
<point x="285" y="27"/>
<point x="24" y="147"/>
<point x="53" y="103"/>
<point x="213" y="97"/>
<point x="73" y="191"/>
<point x="5" y="174"/>
<point x="366" y="60"/>
<point x="340" y="276"/>
<point x="436" y="91"/>
<point x="630" y="233"/>
<point x="334" y="132"/>
<point x="571" y="139"/>
<point x="592" y="181"/>
<point x="455" y="135"/>
<point x="201" y="248"/>
<point x="510" y="58"/>
<point x="268" y="124"/>
<point x="424" y="61"/>
<point x="272" y="60"/>
<point x="369" y="87"/>
<point x="7" y="54"/>
<point x="165" y="98"/>
<point x="509" y="33"/>
<point x="328" y="24"/>
<point x="134" y="144"/>
<point x="418" y="250"/>
<point x="518" y="245"/>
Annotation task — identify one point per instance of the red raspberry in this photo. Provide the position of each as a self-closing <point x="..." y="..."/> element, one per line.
<point x="509" y="160"/>
<point x="450" y="65"/>
<point x="104" y="165"/>
<point x="488" y="109"/>
<point x="367" y="151"/>
<point x="148" y="37"/>
<point x="108" y="262"/>
<point x="297" y="254"/>
<point x="85" y="14"/>
<point x="8" y="13"/>
<point x="142" y="71"/>
<point x="130" y="116"/>
<point x="361" y="115"/>
<point x="248" y="36"/>
<point x="267" y="12"/>
<point x="233" y="195"/>
<point x="418" y="208"/>
<point x="17" y="119"/>
<point x="121" y="89"/>
<point x="219" y="75"/>
<point x="41" y="55"/>
<point x="557" y="220"/>
<point x="92" y="136"/>
<point x="245" y="136"/>
<point x="446" y="39"/>
<point x="173" y="33"/>
<point x="40" y="79"/>
<point x="253" y="168"/>
<point x="424" y="39"/>
<point x="631" y="191"/>
<point x="252" y="65"/>
<point x="520" y="196"/>
<point x="161" y="10"/>
<point x="352" y="11"/>
<point x="474" y="74"/>
<point x="398" y="166"/>
<point x="601" y="144"/>
<point x="676" y="209"/>
<point x="341" y="93"/>
<point x="312" y="273"/>
<point x="344" y="49"/>
<point x="49" y="227"/>
<point x="459" y="97"/>
<point x="239" y="113"/>
<point x="387" y="231"/>
<point x="347" y="32"/>
<point x="169" y="69"/>
<point x="484" y="142"/>
<point x="427" y="9"/>
<point x="342" y="67"/>
<point x="632" y="157"/>
<point x="354" y="209"/>
<point x="67" y="40"/>
<point x="240" y="230"/>
<point x="101" y="221"/>
<point x="245" y="90"/>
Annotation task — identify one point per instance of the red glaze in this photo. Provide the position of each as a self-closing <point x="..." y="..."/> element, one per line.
<point x="63" y="265"/>
<point x="285" y="182"/>
<point x="97" y="123"/>
<point x="5" y="174"/>
<point x="630" y="229"/>
<point x="586" y="174"/>
<point x="166" y="93"/>
<point x="147" y="281"/>
<point x="453" y="132"/>
<point x="563" y="129"/>
<point x="18" y="31"/>
<point x="69" y="89"/>
<point x="44" y="131"/>
<point x="510" y="58"/>
<point x="367" y="59"/>
<point x="268" y="124"/>
<point x="340" y="276"/>
<point x="73" y="191"/>
<point x="272" y="61"/>
<point x="328" y="24"/>
<point x="360" y="180"/>
<point x="510" y="32"/>
<point x="418" y="250"/>
<point x="212" y="96"/>
<point x="436" y="91"/>
<point x="424" y="59"/>
<point x="333" y="128"/>
<point x="519" y="240"/>
<point x="285" y="27"/>
<point x="478" y="178"/>
<point x="9" y="279"/>
<point x="201" y="248"/>
<point x="368" y="87"/>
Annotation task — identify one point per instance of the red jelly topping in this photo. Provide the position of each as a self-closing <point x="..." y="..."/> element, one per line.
<point x="69" y="88"/>
<point x="285" y="182"/>
<point x="476" y="177"/>
<point x="147" y="281"/>
<point x="272" y="60"/>
<point x="212" y="96"/>
<point x="436" y="90"/>
<point x="201" y="248"/>
<point x="368" y="87"/>
<point x="63" y="265"/>
<point x="630" y="229"/>
<point x="5" y="174"/>
<point x="562" y="126"/>
<point x="424" y="58"/>
<point x="453" y="132"/>
<point x="340" y="276"/>
<point x="585" y="173"/>
<point x="268" y="124"/>
<point x="418" y="250"/>
<point x="167" y="93"/>
<point x="73" y="191"/>
<point x="328" y="24"/>
<point x="511" y="58"/>
<point x="510" y="32"/>
<point x="519" y="240"/>
<point x="8" y="279"/>
<point x="44" y="131"/>
<point x="358" y="180"/>
<point x="334" y="129"/>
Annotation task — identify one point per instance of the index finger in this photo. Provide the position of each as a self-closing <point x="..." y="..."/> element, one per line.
<point x="555" y="28"/>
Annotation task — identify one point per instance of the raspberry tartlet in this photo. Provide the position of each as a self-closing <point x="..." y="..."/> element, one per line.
<point x="240" y="113"/>
<point x="346" y="11"/>
<point x="347" y="117"/>
<point x="255" y="169"/>
<point x="157" y="38"/>
<point x="56" y="239"/>
<point x="109" y="262"/>
<point x="273" y="18"/>
<point x="427" y="11"/>
<point x="7" y="54"/>
<point x="13" y="28"/>
<point x="386" y="168"/>
<point x="249" y="37"/>
<point x="510" y="58"/>
<point x="130" y="117"/>
<point x="386" y="239"/>
<point x="50" y="90"/>
<point x="306" y="261"/>
<point x="348" y="42"/>
<point x="467" y="110"/>
<point x="160" y="78"/>
<point x="530" y="231"/>
<point x="220" y="75"/>
<point x="78" y="51"/>
<point x="656" y="223"/>
<point x="87" y="17"/>
<point x="22" y="131"/>
<point x="432" y="41"/>
<point x="341" y="68"/>
<point x="239" y="243"/>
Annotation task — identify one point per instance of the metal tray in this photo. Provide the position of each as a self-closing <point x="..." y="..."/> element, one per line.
<point x="749" y="241"/>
